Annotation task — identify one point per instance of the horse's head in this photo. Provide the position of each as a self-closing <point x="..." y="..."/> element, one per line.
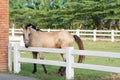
<point x="27" y="34"/>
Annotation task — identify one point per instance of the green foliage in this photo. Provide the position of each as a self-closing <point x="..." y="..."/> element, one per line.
<point x="63" y="13"/>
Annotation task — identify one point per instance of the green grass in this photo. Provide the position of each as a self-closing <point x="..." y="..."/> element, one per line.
<point x="80" y="74"/>
<point x="102" y="46"/>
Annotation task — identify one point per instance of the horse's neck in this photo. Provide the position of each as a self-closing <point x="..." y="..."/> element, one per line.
<point x="33" y="31"/>
<point x="35" y="34"/>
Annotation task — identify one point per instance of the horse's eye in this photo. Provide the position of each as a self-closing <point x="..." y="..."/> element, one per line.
<point x="29" y="34"/>
<point x="23" y="35"/>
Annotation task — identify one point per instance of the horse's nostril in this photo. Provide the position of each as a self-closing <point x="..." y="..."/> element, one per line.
<point x="26" y="46"/>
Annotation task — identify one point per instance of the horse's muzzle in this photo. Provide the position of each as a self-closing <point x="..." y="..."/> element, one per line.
<point x="26" y="45"/>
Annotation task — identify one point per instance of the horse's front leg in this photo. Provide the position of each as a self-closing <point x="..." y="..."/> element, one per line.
<point x="35" y="65"/>
<point x="42" y="58"/>
<point x="61" y="70"/>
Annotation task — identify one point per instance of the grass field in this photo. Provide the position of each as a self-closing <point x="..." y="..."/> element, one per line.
<point x="80" y="74"/>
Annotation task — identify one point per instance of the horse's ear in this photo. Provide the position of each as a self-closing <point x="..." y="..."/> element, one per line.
<point x="30" y="26"/>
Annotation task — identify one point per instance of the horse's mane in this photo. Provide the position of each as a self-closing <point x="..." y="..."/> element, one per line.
<point x="33" y="26"/>
<point x="29" y="25"/>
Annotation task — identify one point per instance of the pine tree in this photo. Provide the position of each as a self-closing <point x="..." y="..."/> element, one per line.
<point x="92" y="14"/>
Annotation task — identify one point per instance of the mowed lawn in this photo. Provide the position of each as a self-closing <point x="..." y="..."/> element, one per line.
<point x="80" y="74"/>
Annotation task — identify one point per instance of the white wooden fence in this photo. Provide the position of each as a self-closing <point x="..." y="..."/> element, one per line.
<point x="111" y="35"/>
<point x="69" y="64"/>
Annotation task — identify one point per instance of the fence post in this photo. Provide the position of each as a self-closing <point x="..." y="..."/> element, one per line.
<point x="21" y="41"/>
<point x="94" y="35"/>
<point x="16" y="58"/>
<point x="10" y="57"/>
<point x="13" y="31"/>
<point x="112" y="35"/>
<point x="77" y="33"/>
<point x="69" y="61"/>
<point x="49" y="30"/>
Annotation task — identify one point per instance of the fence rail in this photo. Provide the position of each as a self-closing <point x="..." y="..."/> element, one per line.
<point x="111" y="35"/>
<point x="69" y="64"/>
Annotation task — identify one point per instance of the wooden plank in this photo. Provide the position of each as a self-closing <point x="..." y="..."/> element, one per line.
<point x="39" y="49"/>
<point x="97" y="67"/>
<point x="96" y="53"/>
<point x="38" y="61"/>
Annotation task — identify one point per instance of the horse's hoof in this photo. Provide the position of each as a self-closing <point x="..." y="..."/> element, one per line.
<point x="45" y="72"/>
<point x="61" y="74"/>
<point x="34" y="72"/>
<point x="59" y="71"/>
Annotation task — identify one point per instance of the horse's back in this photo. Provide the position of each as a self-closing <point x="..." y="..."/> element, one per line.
<point x="66" y="39"/>
<point x="58" y="39"/>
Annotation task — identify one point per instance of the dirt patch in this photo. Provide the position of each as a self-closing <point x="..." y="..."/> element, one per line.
<point x="112" y="77"/>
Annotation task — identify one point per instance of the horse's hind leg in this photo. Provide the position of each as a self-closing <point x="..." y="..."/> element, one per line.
<point x="61" y="70"/>
<point x="45" y="70"/>
<point x="35" y="65"/>
<point x="42" y="58"/>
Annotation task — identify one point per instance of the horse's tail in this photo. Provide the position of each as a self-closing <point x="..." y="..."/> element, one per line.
<point x="81" y="47"/>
